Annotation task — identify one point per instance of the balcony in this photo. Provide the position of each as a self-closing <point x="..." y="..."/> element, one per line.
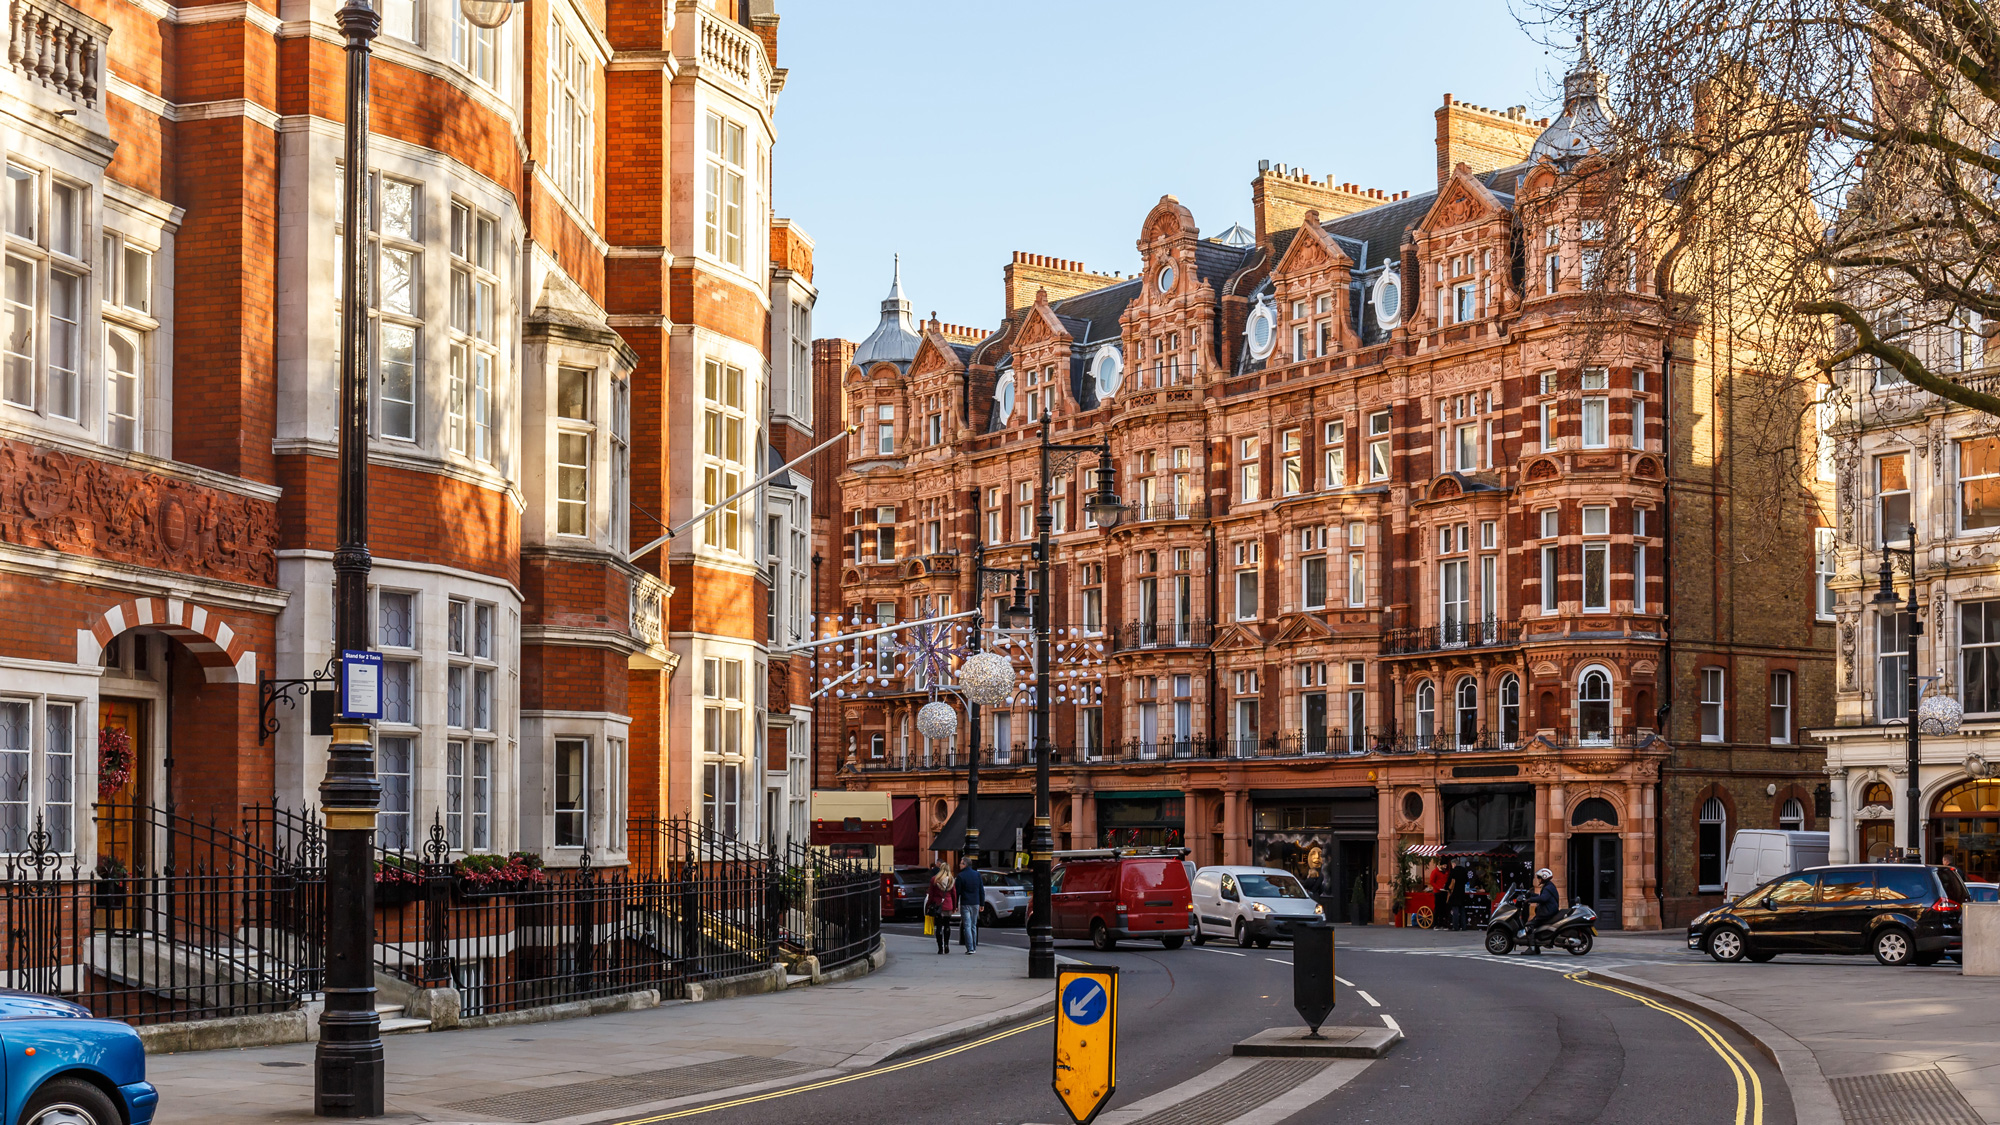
<point x="942" y="563"/>
<point x="1452" y="635"/>
<point x="1162" y="510"/>
<point x="58" y="48"/>
<point x="1161" y="634"/>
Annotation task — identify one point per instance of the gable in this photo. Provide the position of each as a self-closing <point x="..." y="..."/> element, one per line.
<point x="1238" y="637"/>
<point x="1039" y="326"/>
<point x="1312" y="249"/>
<point x="935" y="355"/>
<point x="1293" y="627"/>
<point x="1463" y="200"/>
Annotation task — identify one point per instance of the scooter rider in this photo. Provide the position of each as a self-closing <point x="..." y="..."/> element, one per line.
<point x="1547" y="904"/>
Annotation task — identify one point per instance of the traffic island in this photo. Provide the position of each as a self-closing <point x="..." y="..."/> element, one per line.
<point x="1332" y="1043"/>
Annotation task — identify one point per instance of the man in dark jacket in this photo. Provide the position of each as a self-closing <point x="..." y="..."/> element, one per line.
<point x="971" y="896"/>
<point x="1455" y="894"/>
<point x="1547" y="904"/>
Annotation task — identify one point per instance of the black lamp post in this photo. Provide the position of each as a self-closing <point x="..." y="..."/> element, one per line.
<point x="1105" y="509"/>
<point x="348" y="1068"/>
<point x="1885" y="601"/>
<point x="1017" y="614"/>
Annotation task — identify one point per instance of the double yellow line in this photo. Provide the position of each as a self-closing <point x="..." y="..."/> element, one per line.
<point x="1749" y="1088"/>
<point x="771" y="1095"/>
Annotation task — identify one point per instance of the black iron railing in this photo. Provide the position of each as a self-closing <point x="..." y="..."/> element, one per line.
<point x="1169" y="510"/>
<point x="1161" y="634"/>
<point x="181" y="920"/>
<point x="1452" y="634"/>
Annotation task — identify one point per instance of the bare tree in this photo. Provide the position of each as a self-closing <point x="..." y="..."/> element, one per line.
<point x="1822" y="175"/>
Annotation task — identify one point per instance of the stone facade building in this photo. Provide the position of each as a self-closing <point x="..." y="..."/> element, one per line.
<point x="1418" y="547"/>
<point x="1903" y="456"/>
<point x="544" y="308"/>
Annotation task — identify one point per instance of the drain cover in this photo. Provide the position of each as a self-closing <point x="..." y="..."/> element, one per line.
<point x="629" y="1089"/>
<point x="1239" y="1095"/>
<point x="1903" y="1097"/>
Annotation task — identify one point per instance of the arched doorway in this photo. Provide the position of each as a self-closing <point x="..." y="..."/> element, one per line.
<point x="1965" y="830"/>
<point x="1875" y="823"/>
<point x="1597" y="860"/>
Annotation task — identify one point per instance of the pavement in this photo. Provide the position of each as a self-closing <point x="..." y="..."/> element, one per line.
<point x="918" y="999"/>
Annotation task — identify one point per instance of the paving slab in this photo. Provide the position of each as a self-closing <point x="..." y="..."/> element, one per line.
<point x="917" y="999"/>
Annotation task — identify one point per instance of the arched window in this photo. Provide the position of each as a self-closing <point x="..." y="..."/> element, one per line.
<point x="1878" y="793"/>
<point x="121" y="391"/>
<point x="1466" y="701"/>
<point x="1713" y="839"/>
<point x="1792" y="815"/>
<point x="1510" y="709"/>
<point x="1594" y="808"/>
<point x="1426" y="713"/>
<point x="1593" y="706"/>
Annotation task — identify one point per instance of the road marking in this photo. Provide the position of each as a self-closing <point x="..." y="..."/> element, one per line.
<point x="842" y="1080"/>
<point x="1739" y="1067"/>
<point x="1277" y="961"/>
<point x="1391" y="1021"/>
<point x="1372" y="1002"/>
<point x="1224" y="952"/>
<point x="1344" y="981"/>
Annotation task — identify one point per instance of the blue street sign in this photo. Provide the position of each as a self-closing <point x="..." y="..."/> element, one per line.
<point x="360" y="684"/>
<point x="1084" y="1001"/>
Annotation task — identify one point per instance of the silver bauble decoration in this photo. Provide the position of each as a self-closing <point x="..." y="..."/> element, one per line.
<point x="1939" y="715"/>
<point x="988" y="678"/>
<point x="937" y="719"/>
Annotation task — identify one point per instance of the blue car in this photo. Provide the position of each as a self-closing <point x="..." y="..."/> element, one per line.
<point x="64" y="1067"/>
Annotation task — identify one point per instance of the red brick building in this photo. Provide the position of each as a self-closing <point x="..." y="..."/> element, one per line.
<point x="1417" y="550"/>
<point x="570" y="229"/>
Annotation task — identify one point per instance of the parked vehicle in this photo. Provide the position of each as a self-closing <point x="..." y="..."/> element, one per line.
<point x="65" y="1067"/>
<point x="1110" y="895"/>
<point x="1983" y="892"/>
<point x="1194" y="921"/>
<point x="903" y="893"/>
<point x="1759" y="855"/>
<point x="1903" y="913"/>
<point x="1007" y="898"/>
<point x="1252" y="905"/>
<point x="1574" y="930"/>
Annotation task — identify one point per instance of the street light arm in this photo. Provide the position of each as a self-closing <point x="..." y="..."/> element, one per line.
<point x="738" y="494"/>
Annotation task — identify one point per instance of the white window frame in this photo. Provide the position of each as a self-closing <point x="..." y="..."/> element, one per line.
<point x="569" y="816"/>
<point x="47" y="773"/>
<point x="572" y="129"/>
<point x="1334" y="448"/>
<point x="1714" y="704"/>
<point x="1781" y="708"/>
<point x="729" y="442"/>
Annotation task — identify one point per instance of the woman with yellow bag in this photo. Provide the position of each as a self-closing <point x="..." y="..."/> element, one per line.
<point x="940" y="903"/>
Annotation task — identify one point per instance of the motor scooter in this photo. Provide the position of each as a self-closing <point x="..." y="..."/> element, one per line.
<point x="1574" y="930"/>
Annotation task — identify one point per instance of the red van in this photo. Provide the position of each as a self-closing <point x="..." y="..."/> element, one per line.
<point x="1109" y="894"/>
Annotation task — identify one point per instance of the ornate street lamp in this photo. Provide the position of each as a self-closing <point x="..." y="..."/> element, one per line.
<point x="1935" y="715"/>
<point x="1105" y="509"/>
<point x="348" y="1068"/>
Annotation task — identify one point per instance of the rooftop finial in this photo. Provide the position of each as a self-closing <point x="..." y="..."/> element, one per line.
<point x="1583" y="59"/>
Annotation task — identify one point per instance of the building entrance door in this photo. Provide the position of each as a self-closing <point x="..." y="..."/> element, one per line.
<point x="1596" y="875"/>
<point x="1357" y="861"/>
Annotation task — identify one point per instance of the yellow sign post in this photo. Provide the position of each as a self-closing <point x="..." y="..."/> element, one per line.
<point x="1086" y="1061"/>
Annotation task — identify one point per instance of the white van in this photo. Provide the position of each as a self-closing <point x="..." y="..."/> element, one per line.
<point x="1251" y="905"/>
<point x="1759" y="855"/>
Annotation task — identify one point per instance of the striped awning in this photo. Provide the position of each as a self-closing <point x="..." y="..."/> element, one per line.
<point x="1427" y="851"/>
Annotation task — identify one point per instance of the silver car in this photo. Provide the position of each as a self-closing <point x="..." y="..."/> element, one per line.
<point x="1007" y="898"/>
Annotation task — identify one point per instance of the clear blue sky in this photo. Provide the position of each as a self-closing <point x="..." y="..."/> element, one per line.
<point x="956" y="133"/>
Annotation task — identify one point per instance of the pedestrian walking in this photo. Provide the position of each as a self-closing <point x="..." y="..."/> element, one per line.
<point x="940" y="903"/>
<point x="1455" y="894"/>
<point x="971" y="895"/>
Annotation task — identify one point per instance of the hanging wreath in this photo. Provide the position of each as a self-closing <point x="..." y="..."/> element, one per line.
<point x="114" y="761"/>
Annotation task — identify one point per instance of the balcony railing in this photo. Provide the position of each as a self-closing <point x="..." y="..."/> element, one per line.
<point x="58" y="47"/>
<point x="1489" y="633"/>
<point x="1170" y="510"/>
<point x="1162" y="634"/>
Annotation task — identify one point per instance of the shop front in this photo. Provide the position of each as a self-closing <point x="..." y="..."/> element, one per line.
<point x="1493" y="817"/>
<point x="1325" y="833"/>
<point x="1965" y="830"/>
<point x="1141" y="820"/>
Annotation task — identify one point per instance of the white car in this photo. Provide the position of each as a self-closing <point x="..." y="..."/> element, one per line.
<point x="1252" y="905"/>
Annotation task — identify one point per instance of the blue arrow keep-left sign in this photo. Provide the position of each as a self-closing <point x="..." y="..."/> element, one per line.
<point x="1085" y="1001"/>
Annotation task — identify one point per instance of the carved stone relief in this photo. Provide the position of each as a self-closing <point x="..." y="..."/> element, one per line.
<point x="78" y="505"/>
<point x="1847" y="677"/>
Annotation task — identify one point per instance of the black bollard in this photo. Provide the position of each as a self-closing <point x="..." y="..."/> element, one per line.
<point x="1312" y="973"/>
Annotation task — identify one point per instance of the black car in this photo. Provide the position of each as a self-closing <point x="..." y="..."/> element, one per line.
<point x="903" y="893"/>
<point x="1903" y="913"/>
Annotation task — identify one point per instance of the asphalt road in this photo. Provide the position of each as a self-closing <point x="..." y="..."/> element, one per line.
<point x="1488" y="1041"/>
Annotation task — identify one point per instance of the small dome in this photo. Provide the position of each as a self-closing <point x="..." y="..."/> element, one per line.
<point x="1585" y="124"/>
<point x="895" y="339"/>
<point x="1237" y="235"/>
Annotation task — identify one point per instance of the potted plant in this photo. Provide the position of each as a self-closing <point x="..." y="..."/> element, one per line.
<point x="398" y="881"/>
<point x="109" y="892"/>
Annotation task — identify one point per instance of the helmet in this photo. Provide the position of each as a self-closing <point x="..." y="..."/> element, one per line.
<point x="1545" y="873"/>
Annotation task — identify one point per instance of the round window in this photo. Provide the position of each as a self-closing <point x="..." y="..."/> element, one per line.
<point x="1389" y="301"/>
<point x="1262" y="331"/>
<point x="1003" y="396"/>
<point x="1413" y="806"/>
<point x="1167" y="274"/>
<point x="1110" y="371"/>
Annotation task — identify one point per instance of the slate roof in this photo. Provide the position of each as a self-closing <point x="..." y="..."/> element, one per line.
<point x="1093" y="317"/>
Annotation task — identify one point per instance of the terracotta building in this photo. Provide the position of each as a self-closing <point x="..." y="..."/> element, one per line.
<point x="569" y="231"/>
<point x="1418" y="548"/>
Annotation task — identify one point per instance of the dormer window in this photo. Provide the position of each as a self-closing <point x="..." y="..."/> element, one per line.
<point x="1003" y="396"/>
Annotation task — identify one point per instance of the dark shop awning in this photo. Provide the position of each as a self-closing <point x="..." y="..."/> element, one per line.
<point x="998" y="818"/>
